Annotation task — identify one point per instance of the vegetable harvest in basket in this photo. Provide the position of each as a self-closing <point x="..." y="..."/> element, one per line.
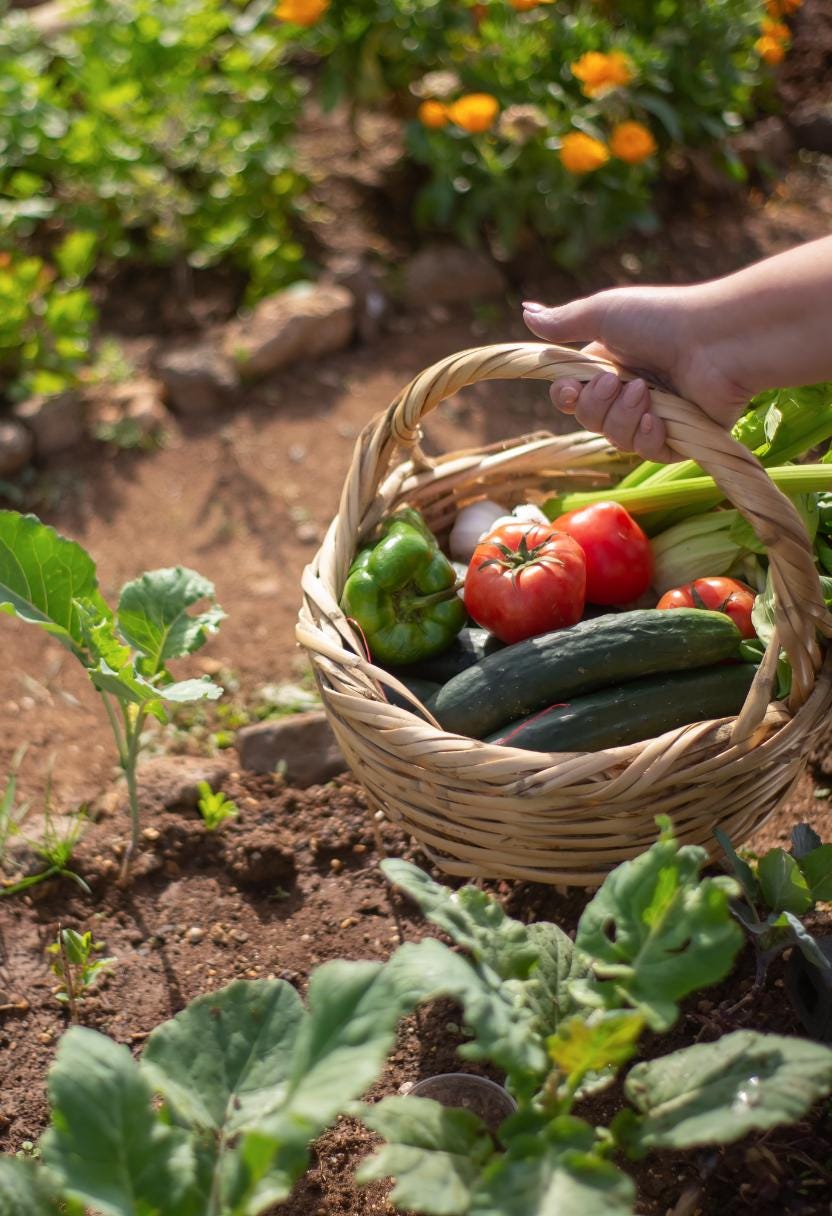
<point x="609" y="617"/>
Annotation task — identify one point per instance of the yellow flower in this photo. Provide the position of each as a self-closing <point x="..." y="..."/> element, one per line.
<point x="301" y="12"/>
<point x="475" y="112"/>
<point x="775" y="29"/>
<point x="433" y="114"/>
<point x="770" y="49"/>
<point x="599" y="73"/>
<point x="524" y="6"/>
<point x="632" y="142"/>
<point x="581" y="153"/>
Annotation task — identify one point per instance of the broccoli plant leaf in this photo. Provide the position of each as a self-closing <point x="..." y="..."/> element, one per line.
<point x="470" y="917"/>
<point x="713" y="1093"/>
<point x="783" y="886"/>
<point x="598" y="1044"/>
<point x="224" y="1061"/>
<point x="804" y="840"/>
<point x="435" y="1154"/>
<point x="816" y="868"/>
<point x="153" y="615"/>
<point x="655" y="931"/>
<point x="742" y="870"/>
<point x="548" y="991"/>
<point x="263" y="1076"/>
<point x="556" y="1170"/>
<point x="503" y="1025"/>
<point x="24" y="1189"/>
<point x="106" y="1144"/>
<point x="48" y="580"/>
<point x="806" y="943"/>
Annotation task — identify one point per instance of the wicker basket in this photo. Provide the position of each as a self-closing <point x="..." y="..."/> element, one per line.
<point x="493" y="811"/>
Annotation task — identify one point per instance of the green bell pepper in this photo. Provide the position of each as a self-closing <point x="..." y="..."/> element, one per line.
<point x="402" y="592"/>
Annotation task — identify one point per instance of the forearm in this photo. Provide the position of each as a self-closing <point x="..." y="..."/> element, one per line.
<point x="772" y="322"/>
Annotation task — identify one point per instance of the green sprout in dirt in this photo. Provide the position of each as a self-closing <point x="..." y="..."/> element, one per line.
<point x="54" y="846"/>
<point x="52" y="582"/>
<point x="214" y="807"/>
<point x="76" y="967"/>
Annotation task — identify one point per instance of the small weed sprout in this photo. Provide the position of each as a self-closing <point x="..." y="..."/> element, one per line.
<point x="55" y="845"/>
<point x="214" y="807"/>
<point x="76" y="967"/>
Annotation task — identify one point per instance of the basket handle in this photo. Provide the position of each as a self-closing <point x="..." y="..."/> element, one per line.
<point x="799" y="607"/>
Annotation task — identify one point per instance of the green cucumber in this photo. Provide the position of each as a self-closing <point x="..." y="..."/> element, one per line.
<point x="423" y="689"/>
<point x="467" y="648"/>
<point x="530" y="675"/>
<point x="640" y="709"/>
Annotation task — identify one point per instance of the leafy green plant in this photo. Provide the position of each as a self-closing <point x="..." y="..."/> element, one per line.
<point x="779" y="888"/>
<point x="52" y="582"/>
<point x="216" y="1117"/>
<point x="76" y="966"/>
<point x="214" y="807"/>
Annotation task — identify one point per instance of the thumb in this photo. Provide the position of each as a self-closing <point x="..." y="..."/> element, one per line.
<point x="579" y="321"/>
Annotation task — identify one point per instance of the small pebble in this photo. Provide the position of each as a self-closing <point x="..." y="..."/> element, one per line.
<point x="151" y="834"/>
<point x="195" y="934"/>
<point x="335" y="864"/>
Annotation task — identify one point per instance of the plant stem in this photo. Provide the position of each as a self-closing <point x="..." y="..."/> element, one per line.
<point x="132" y="735"/>
<point x="69" y="978"/>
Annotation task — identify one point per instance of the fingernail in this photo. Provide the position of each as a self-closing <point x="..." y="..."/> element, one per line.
<point x="635" y="402"/>
<point x="531" y="306"/>
<point x="568" y="395"/>
<point x="646" y="424"/>
<point x="608" y="385"/>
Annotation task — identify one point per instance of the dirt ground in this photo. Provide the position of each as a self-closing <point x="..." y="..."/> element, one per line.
<point x="243" y="497"/>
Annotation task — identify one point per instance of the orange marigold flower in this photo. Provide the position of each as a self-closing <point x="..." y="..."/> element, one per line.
<point x="524" y="6"/>
<point x="599" y="73"/>
<point x="782" y="8"/>
<point x="581" y="153"/>
<point x="433" y="114"/>
<point x="770" y="49"/>
<point x="301" y="12"/>
<point x="632" y="142"/>
<point x="775" y="29"/>
<point x="475" y="112"/>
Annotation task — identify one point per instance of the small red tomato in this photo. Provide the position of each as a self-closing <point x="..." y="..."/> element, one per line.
<point x="726" y="595"/>
<point x="619" y="560"/>
<point x="525" y="579"/>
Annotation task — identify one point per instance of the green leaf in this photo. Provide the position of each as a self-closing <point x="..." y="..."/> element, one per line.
<point x="805" y="838"/>
<point x="106" y="1144"/>
<point x="48" y="580"/>
<point x="596" y="1043"/>
<point x="655" y="931"/>
<point x="153" y="615"/>
<point x="807" y="943"/>
<point x="435" y="1154"/>
<point x="713" y="1093"/>
<point x="224" y="1061"/>
<point x="762" y="614"/>
<point x="202" y="688"/>
<point x="75" y="256"/>
<point x="503" y="1025"/>
<point x="783" y="885"/>
<point x="742" y="870"/>
<point x="555" y="1172"/>
<point x="548" y="991"/>
<point x="470" y="917"/>
<point x="816" y="868"/>
<point x="24" y="1190"/>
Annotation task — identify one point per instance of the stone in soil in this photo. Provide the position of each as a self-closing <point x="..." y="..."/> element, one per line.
<point x="17" y="446"/>
<point x="198" y="379"/>
<point x="138" y="402"/>
<point x="447" y="274"/>
<point x="302" y="747"/>
<point x="171" y="782"/>
<point x="56" y="421"/>
<point x="303" y="322"/>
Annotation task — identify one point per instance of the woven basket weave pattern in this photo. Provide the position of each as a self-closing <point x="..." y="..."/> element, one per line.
<point x="485" y="810"/>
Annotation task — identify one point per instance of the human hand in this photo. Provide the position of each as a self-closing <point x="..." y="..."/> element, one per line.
<point x="668" y="335"/>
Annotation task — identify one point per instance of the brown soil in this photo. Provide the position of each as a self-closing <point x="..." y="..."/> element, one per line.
<point x="294" y="880"/>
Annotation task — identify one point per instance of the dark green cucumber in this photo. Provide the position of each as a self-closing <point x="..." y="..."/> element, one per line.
<point x="423" y="689"/>
<point x="530" y="675"/>
<point x="467" y="648"/>
<point x="640" y="709"/>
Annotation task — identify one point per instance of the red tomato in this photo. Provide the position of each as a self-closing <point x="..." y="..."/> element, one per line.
<point x="719" y="595"/>
<point x="619" y="560"/>
<point x="525" y="579"/>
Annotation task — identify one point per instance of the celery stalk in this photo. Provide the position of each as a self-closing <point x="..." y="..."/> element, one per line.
<point x="692" y="494"/>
